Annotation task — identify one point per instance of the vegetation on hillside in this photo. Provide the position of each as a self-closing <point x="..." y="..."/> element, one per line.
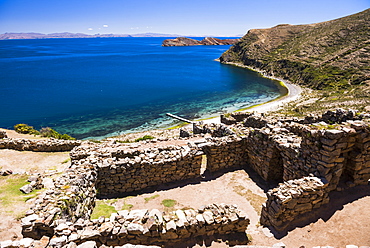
<point x="327" y="55"/>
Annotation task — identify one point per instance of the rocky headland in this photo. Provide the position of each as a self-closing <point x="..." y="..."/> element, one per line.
<point x="332" y="54"/>
<point x="208" y="41"/>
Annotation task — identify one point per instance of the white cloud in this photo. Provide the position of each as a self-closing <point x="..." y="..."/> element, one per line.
<point x="89" y="29"/>
<point x="105" y="26"/>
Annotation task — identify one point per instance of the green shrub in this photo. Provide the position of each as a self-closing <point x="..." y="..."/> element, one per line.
<point x="146" y="137"/>
<point x="25" y="129"/>
<point x="51" y="133"/>
<point x="147" y="199"/>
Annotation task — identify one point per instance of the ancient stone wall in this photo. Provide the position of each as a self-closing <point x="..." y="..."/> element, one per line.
<point x="72" y="199"/>
<point x="291" y="199"/>
<point x="336" y="149"/>
<point x="39" y="145"/>
<point x="149" y="226"/>
<point x="153" y="167"/>
<point x="222" y="153"/>
<point x="155" y="227"/>
<point x="311" y="160"/>
<point x="263" y="154"/>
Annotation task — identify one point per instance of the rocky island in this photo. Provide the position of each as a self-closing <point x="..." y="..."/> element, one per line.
<point x="208" y="41"/>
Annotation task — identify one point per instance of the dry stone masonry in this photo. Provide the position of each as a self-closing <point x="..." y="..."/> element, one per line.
<point x="293" y="198"/>
<point x="308" y="159"/>
<point x="336" y="152"/>
<point x="125" y="171"/>
<point x="154" y="227"/>
<point x="38" y="145"/>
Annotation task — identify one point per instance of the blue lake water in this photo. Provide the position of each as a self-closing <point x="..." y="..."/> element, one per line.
<point x="98" y="87"/>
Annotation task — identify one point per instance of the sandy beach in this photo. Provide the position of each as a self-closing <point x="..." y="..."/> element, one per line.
<point x="293" y="93"/>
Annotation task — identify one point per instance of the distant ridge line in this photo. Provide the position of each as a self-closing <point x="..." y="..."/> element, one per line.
<point x="65" y="35"/>
<point x="13" y="36"/>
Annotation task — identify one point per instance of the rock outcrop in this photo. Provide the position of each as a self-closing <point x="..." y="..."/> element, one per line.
<point x="208" y="41"/>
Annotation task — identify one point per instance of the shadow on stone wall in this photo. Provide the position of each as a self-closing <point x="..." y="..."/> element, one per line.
<point x="338" y="199"/>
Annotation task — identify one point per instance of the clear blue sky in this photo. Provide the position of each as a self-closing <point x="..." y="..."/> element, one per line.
<point x="186" y="17"/>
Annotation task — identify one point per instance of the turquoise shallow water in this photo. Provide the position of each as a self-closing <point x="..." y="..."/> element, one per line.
<point x="99" y="87"/>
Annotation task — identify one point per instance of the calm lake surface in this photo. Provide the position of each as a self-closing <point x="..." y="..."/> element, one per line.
<point x="93" y="88"/>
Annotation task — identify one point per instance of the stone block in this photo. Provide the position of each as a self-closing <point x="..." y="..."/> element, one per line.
<point x="88" y="244"/>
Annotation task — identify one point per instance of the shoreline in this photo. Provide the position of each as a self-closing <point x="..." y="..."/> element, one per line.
<point x="289" y="92"/>
<point x="292" y="93"/>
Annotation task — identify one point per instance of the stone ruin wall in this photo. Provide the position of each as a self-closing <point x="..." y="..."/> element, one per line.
<point x="224" y="153"/>
<point x="62" y="214"/>
<point x="337" y="158"/>
<point x="291" y="199"/>
<point x="123" y="171"/>
<point x="38" y="145"/>
<point x="310" y="161"/>
<point x="71" y="199"/>
<point x="152" y="227"/>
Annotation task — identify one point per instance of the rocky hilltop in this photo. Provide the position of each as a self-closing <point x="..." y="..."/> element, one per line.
<point x="332" y="54"/>
<point x="208" y="41"/>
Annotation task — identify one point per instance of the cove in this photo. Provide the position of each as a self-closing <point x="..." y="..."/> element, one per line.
<point x="99" y="87"/>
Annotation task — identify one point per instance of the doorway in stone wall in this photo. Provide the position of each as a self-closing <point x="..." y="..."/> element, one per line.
<point x="276" y="168"/>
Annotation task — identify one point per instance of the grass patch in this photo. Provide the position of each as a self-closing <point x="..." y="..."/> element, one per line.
<point x="127" y="206"/>
<point x="123" y="141"/>
<point x="146" y="137"/>
<point x="147" y="199"/>
<point x="66" y="161"/>
<point x="12" y="200"/>
<point x="254" y="199"/>
<point x="102" y="209"/>
<point x="169" y="203"/>
<point x="178" y="126"/>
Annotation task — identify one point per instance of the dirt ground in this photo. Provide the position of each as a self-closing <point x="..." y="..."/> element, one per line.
<point x="22" y="164"/>
<point x="345" y="220"/>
